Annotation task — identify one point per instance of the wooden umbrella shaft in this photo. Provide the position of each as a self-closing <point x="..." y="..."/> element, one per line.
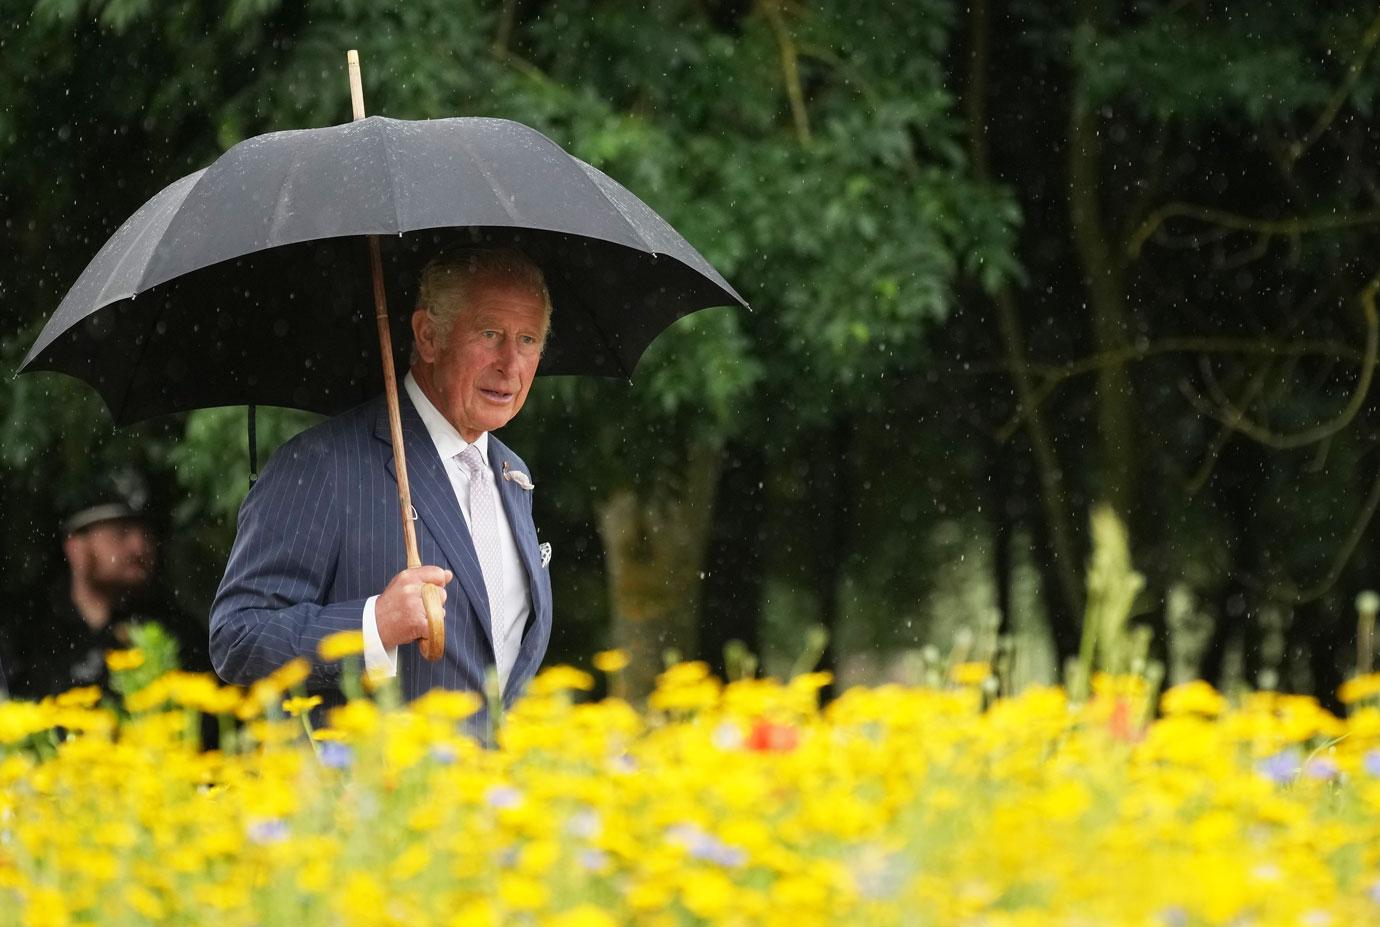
<point x="390" y="387"/>
<point x="433" y="645"/>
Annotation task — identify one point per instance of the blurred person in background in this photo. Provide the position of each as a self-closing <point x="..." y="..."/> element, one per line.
<point x="59" y="640"/>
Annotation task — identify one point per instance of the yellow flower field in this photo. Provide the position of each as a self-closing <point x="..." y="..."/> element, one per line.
<point x="737" y="804"/>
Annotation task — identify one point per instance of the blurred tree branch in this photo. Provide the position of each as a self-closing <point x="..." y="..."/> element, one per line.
<point x="790" y="66"/>
<point x="1219" y="442"/>
<point x="1289" y="592"/>
<point x="1339" y="96"/>
<point x="1226" y="220"/>
<point x="1235" y="417"/>
<point x="507" y="18"/>
<point x="1102" y="264"/>
<point x="1054" y="375"/>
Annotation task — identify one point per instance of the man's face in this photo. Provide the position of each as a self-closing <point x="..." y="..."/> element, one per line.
<point x="114" y="555"/>
<point x="479" y="377"/>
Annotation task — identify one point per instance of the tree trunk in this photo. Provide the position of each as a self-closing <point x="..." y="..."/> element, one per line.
<point x="1100" y="259"/>
<point x="1235" y="498"/>
<point x="1065" y="626"/>
<point x="1233" y="623"/>
<point x="654" y="546"/>
<point x="1059" y="562"/>
<point x="833" y="479"/>
<point x="999" y="490"/>
<point x="732" y="603"/>
<point x="1327" y="650"/>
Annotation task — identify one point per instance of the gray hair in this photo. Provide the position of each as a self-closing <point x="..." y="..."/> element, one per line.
<point x="448" y="280"/>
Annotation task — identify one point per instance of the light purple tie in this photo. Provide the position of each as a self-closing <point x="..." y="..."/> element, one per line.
<point x="484" y="531"/>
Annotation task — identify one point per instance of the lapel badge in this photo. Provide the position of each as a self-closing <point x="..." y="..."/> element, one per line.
<point x="517" y="476"/>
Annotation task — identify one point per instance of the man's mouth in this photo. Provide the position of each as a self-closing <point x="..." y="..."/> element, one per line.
<point x="496" y="395"/>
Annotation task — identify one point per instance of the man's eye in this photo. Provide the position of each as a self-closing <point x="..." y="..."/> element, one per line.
<point x="490" y="333"/>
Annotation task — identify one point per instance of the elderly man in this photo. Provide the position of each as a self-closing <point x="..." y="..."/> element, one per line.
<point x="319" y="541"/>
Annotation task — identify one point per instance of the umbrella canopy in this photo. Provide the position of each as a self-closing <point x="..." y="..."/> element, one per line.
<point x="246" y="281"/>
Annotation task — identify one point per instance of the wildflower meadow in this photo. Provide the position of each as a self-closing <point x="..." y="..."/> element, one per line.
<point x="741" y="803"/>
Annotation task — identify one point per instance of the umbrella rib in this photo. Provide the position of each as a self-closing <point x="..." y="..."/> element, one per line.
<point x="138" y="363"/>
<point x="651" y="248"/>
<point x="608" y="343"/>
<point x="496" y="187"/>
<point x="280" y="201"/>
<point x="142" y="283"/>
<point x="385" y="139"/>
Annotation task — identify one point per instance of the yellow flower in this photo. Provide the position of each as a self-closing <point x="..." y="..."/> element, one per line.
<point x="84" y="697"/>
<point x="193" y="690"/>
<point x="148" y="698"/>
<point x="21" y="719"/>
<point x="683" y="674"/>
<point x="971" y="674"/>
<point x="145" y="902"/>
<point x="685" y="697"/>
<point x="585" y="915"/>
<point x="610" y="661"/>
<point x="363" y="899"/>
<point x="301" y="703"/>
<point x="522" y="893"/>
<point x="812" y="682"/>
<point x="47" y="909"/>
<point x="448" y="704"/>
<point x="1196" y="697"/>
<point x="707" y="893"/>
<point x="223" y="701"/>
<point x="560" y="679"/>
<point x="340" y="645"/>
<point x="477" y="912"/>
<point x="1359" y="688"/>
<point x="409" y="863"/>
<point x="295" y="671"/>
<point x="357" y="717"/>
<point x="121" y="660"/>
<point x="273" y="732"/>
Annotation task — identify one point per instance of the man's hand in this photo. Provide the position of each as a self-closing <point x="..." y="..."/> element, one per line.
<point x="399" y="613"/>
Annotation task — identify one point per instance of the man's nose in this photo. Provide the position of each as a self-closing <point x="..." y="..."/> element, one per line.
<point x="507" y="354"/>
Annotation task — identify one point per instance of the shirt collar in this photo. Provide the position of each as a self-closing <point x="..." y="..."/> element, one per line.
<point x="448" y="442"/>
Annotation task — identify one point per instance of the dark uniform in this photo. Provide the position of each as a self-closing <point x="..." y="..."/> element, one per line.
<point x="54" y="649"/>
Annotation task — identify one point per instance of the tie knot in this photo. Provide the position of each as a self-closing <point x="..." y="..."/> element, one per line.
<point x="471" y="460"/>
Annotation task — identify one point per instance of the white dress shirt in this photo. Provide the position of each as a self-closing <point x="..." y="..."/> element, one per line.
<point x="517" y="597"/>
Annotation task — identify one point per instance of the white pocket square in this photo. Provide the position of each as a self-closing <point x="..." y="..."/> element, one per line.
<point x="517" y="476"/>
<point x="545" y="551"/>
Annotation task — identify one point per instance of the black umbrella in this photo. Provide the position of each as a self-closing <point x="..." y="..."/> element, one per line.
<point x="244" y="282"/>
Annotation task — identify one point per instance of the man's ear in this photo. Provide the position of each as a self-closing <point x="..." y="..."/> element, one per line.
<point x="71" y="548"/>
<point x="424" y="336"/>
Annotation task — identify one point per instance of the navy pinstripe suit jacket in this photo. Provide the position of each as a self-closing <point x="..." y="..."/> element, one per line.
<point x="319" y="533"/>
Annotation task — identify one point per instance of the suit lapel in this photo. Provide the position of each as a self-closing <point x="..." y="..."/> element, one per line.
<point x="438" y="512"/>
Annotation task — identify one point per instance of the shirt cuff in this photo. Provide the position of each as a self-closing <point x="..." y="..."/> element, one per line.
<point x="378" y="661"/>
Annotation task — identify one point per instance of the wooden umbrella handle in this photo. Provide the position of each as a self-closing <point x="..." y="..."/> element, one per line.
<point x="434" y="644"/>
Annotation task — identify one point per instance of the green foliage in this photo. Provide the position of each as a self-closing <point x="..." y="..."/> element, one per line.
<point x="212" y="459"/>
<point x="1182" y="68"/>
<point x="159" y="651"/>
